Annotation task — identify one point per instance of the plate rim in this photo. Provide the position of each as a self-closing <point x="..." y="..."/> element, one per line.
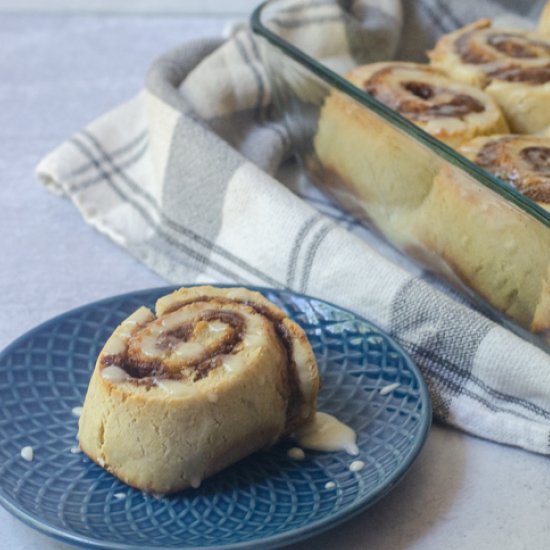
<point x="274" y="541"/>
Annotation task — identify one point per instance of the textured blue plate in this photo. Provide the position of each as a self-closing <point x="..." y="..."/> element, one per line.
<point x="266" y="499"/>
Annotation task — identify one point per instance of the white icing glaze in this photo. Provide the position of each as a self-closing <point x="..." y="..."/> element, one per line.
<point x="439" y="125"/>
<point x="75" y="450"/>
<point x="389" y="388"/>
<point x="115" y="345"/>
<point x="195" y="482"/>
<point x="326" y="433"/>
<point x="356" y="466"/>
<point x="212" y="397"/>
<point x="330" y="485"/>
<point x="232" y="363"/>
<point x="115" y="374"/>
<point x="77" y="411"/>
<point x="177" y="318"/>
<point x="27" y="453"/>
<point x="173" y="387"/>
<point x="296" y="453"/>
<point x="204" y="335"/>
<point x="252" y="344"/>
<point x="148" y="346"/>
<point x="139" y="317"/>
<point x="118" y="341"/>
<point x="216" y="327"/>
<point x="188" y="350"/>
<point x="120" y="496"/>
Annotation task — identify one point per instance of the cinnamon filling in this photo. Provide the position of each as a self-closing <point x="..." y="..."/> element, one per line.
<point x="538" y="157"/>
<point x="511" y="45"/>
<point x="419" y="89"/>
<point x="530" y="75"/>
<point x="139" y="368"/>
<point x="424" y="105"/>
<point x="490" y="157"/>
<point x="470" y="52"/>
<point x="514" y="46"/>
<point x="285" y="339"/>
<point x="282" y="334"/>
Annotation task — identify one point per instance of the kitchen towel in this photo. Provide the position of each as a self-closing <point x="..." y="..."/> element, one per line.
<point x="183" y="177"/>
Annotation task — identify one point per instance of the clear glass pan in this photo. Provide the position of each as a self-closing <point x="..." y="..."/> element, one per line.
<point x="475" y="231"/>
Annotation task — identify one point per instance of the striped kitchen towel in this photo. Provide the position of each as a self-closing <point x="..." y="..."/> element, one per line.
<point x="182" y="176"/>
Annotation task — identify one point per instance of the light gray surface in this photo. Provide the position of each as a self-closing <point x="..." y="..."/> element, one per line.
<point x="188" y="7"/>
<point x="58" y="72"/>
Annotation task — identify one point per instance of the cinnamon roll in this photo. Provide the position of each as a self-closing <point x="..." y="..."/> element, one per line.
<point x="371" y="167"/>
<point x="510" y="65"/>
<point x="485" y="243"/>
<point x="213" y="376"/>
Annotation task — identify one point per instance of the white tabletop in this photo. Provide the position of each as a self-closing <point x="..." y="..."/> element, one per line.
<point x="58" y="72"/>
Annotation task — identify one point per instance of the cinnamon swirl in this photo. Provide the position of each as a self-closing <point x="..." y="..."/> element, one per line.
<point x="486" y="243"/>
<point x="521" y="161"/>
<point x="368" y="165"/>
<point x="510" y="65"/>
<point x="215" y="375"/>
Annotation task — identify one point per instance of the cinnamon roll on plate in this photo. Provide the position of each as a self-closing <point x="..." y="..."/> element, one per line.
<point x="369" y="165"/>
<point x="512" y="66"/>
<point x="486" y="243"/>
<point x="177" y="395"/>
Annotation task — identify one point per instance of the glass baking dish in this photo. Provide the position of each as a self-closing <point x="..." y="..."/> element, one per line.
<point x="485" y="238"/>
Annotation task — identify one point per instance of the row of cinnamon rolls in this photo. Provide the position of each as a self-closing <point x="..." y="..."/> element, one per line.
<point x="485" y="93"/>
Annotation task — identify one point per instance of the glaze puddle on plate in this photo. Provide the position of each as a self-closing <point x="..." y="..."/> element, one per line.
<point x="268" y="499"/>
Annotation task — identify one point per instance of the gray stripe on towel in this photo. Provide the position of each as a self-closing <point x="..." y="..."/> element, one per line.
<point x="418" y="319"/>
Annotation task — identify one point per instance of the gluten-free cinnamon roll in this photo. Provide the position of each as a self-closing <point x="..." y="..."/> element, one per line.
<point x="484" y="242"/>
<point x="370" y="166"/>
<point x="512" y="66"/>
<point x="213" y="376"/>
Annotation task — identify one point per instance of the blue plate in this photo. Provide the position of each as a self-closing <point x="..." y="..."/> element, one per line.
<point x="267" y="499"/>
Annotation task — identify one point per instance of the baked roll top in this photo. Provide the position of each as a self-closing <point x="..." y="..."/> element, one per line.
<point x="449" y="111"/>
<point x="512" y="66"/>
<point x="521" y="161"/>
<point x="215" y="375"/>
